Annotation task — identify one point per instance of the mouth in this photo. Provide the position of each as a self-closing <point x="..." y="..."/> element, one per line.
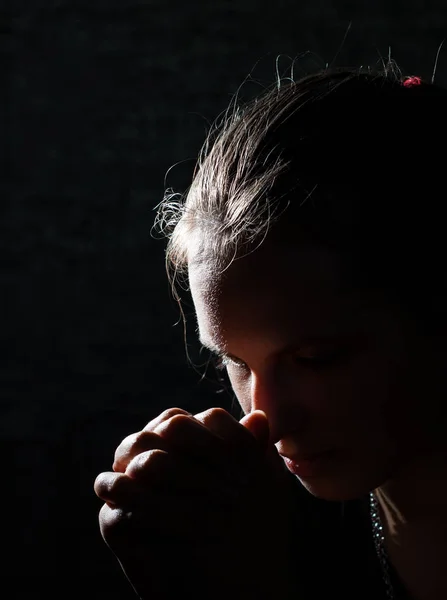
<point x="309" y="465"/>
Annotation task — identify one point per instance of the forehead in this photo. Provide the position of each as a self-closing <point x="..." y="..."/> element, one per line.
<point x="274" y="288"/>
<point x="279" y="268"/>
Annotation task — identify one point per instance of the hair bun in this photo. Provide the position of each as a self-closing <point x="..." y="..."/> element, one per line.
<point x="411" y="81"/>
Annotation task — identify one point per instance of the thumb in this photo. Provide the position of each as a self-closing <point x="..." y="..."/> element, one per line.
<point x="258" y="425"/>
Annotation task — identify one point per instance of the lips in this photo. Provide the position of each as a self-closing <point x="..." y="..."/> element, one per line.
<point x="311" y="466"/>
<point x="297" y="458"/>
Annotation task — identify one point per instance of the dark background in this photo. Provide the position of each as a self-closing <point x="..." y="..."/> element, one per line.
<point x="102" y="98"/>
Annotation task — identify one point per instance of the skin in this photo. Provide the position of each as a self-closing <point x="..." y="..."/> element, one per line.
<point x="378" y="401"/>
<point x="188" y="492"/>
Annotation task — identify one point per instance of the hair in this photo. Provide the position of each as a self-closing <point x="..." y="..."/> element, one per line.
<point x="348" y="158"/>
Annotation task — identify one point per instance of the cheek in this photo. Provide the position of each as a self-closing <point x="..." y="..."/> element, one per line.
<point x="328" y="393"/>
<point x="329" y="397"/>
<point x="366" y="401"/>
<point x="241" y="384"/>
<point x="362" y="398"/>
<point x="357" y="397"/>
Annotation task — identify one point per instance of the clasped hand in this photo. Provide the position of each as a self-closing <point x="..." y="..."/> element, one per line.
<point x="200" y="506"/>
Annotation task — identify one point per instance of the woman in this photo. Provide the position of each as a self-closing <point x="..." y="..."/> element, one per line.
<point x="312" y="242"/>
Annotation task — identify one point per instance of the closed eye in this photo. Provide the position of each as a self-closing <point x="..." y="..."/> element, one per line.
<point x="222" y="361"/>
<point x="319" y="361"/>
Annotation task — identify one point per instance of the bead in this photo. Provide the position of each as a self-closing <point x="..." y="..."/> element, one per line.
<point x="379" y="540"/>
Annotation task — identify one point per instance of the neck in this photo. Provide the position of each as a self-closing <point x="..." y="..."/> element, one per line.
<point x="416" y="495"/>
<point x="413" y="512"/>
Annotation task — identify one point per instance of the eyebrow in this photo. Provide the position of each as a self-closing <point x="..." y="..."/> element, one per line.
<point x="212" y="347"/>
<point x="312" y="339"/>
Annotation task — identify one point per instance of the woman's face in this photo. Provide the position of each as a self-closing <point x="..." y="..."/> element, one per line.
<point x="332" y="369"/>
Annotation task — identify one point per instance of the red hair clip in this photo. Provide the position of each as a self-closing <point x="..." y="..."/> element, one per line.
<point x="411" y="81"/>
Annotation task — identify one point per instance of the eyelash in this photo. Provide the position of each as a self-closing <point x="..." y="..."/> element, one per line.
<point x="221" y="362"/>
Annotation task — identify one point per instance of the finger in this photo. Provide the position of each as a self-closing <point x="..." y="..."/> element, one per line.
<point x="164" y="416"/>
<point x="236" y="458"/>
<point x="143" y="440"/>
<point x="160" y="521"/>
<point x="189" y="438"/>
<point x="166" y="472"/>
<point x="115" y="488"/>
<point x="252" y="449"/>
<point x="237" y="437"/>
<point x="166" y="493"/>
<point x="135" y="444"/>
<point x="257" y="423"/>
<point x="171" y="427"/>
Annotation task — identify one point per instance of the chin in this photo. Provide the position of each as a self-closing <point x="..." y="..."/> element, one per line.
<point x="335" y="491"/>
<point x="352" y="483"/>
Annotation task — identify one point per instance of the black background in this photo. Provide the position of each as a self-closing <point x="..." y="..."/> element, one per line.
<point x="102" y="98"/>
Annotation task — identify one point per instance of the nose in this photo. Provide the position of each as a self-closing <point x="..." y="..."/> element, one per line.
<point x="279" y="398"/>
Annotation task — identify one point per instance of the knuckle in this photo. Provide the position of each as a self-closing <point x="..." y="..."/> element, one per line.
<point x="179" y="422"/>
<point x="130" y="439"/>
<point x="127" y="443"/>
<point x="140" y="442"/>
<point x="178" y="427"/>
<point x="104" y="484"/>
<point x="215" y="416"/>
<point x="113" y="524"/>
<point x="216" y="413"/>
<point x="99" y="484"/>
<point x="134" y="444"/>
<point x="172" y="412"/>
<point x="143" y="440"/>
<point x="164" y="416"/>
<point x="118" y="487"/>
<point x="110" y="486"/>
<point x="150" y="461"/>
